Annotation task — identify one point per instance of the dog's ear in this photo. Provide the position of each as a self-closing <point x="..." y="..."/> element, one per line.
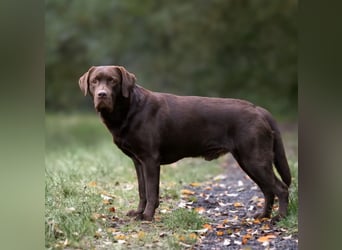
<point x="127" y="81"/>
<point x="83" y="82"/>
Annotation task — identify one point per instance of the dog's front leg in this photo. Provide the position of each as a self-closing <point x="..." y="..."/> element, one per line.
<point x="151" y="170"/>
<point x="142" y="190"/>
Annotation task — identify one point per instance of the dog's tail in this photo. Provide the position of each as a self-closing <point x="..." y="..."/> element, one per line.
<point x="280" y="160"/>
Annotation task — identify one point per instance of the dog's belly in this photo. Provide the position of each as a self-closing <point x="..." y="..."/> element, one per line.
<point x="208" y="149"/>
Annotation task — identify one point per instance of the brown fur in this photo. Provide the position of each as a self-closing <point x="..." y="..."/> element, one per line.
<point x="158" y="128"/>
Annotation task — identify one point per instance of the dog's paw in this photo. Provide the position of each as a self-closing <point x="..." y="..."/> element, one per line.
<point x="276" y="219"/>
<point x="144" y="217"/>
<point x="134" y="213"/>
<point x="261" y="216"/>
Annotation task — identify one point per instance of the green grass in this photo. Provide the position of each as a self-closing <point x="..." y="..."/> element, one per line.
<point x="83" y="165"/>
<point x="291" y="220"/>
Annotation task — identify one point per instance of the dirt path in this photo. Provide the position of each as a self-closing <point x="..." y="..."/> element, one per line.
<point x="229" y="201"/>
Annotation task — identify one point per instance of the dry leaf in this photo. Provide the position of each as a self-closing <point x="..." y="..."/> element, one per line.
<point x="106" y="196"/>
<point x="245" y="238"/>
<point x="120" y="237"/>
<point x="187" y="192"/>
<point x="200" y="210"/>
<point x="195" y="184"/>
<point x="70" y="209"/>
<point x="226" y="242"/>
<point x="141" y="235"/>
<point x="181" y="238"/>
<point x="92" y="184"/>
<point x="256" y="221"/>
<point x="193" y="236"/>
<point x="208" y="226"/>
<point x="265" y="227"/>
<point x="238" y="204"/>
<point x="266" y="238"/>
<point x="111" y="230"/>
<point x="97" y="235"/>
<point x="225" y="222"/>
<point x="96" y="216"/>
<point x="111" y="209"/>
<point x="107" y="202"/>
<point x="236" y="242"/>
<point x="219" y="233"/>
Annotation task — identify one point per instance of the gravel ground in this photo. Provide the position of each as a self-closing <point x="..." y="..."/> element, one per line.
<point x="229" y="201"/>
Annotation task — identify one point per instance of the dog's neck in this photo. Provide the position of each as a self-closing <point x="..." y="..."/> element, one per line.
<point x="118" y="119"/>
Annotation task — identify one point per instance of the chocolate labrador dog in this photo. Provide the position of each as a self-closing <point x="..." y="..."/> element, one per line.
<point x="158" y="128"/>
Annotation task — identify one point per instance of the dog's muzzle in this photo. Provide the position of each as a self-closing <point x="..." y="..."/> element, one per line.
<point x="103" y="101"/>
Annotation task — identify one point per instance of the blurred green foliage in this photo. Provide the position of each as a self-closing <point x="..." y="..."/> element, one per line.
<point x="229" y="48"/>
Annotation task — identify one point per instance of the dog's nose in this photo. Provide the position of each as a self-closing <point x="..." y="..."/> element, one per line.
<point x="102" y="93"/>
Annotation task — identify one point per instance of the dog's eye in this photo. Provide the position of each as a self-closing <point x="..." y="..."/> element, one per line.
<point x="94" y="81"/>
<point x="112" y="80"/>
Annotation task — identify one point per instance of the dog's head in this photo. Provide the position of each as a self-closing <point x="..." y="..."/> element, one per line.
<point x="105" y="83"/>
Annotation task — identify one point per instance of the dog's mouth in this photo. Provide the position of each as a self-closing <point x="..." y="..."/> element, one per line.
<point x="103" y="104"/>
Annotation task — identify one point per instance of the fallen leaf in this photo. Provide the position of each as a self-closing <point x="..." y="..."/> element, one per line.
<point x="195" y="184"/>
<point x="187" y="192"/>
<point x="106" y="199"/>
<point x="238" y="204"/>
<point x="254" y="199"/>
<point x="226" y="242"/>
<point x="265" y="227"/>
<point x="219" y="233"/>
<point x="225" y="222"/>
<point x="120" y="237"/>
<point x="184" y="245"/>
<point x="200" y="210"/>
<point x="256" y="221"/>
<point x="193" y="236"/>
<point x="266" y="238"/>
<point x="164" y="211"/>
<point x="111" y="230"/>
<point x="220" y="177"/>
<point x="157" y="218"/>
<point x="224" y="204"/>
<point x="162" y="234"/>
<point x="236" y="242"/>
<point x="106" y="195"/>
<point x="232" y="195"/>
<point x="107" y="202"/>
<point x="208" y="226"/>
<point x="111" y="209"/>
<point x="200" y="231"/>
<point x="141" y="235"/>
<point x="97" y="235"/>
<point x="96" y="216"/>
<point x="92" y="184"/>
<point x="70" y="209"/>
<point x="245" y="238"/>
<point x="220" y="226"/>
<point x="65" y="243"/>
<point x="181" y="237"/>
